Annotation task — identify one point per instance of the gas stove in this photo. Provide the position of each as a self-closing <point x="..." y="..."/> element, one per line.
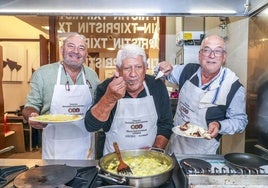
<point x="214" y="173"/>
<point x="219" y="174"/>
<point x="86" y="176"/>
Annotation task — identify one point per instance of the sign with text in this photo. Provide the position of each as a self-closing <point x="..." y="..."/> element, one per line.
<point x="103" y="31"/>
<point x="107" y="34"/>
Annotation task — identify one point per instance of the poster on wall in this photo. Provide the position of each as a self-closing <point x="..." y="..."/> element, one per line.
<point x="19" y="60"/>
<point x="13" y="63"/>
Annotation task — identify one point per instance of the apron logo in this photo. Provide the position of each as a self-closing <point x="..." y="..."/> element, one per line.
<point x="137" y="126"/>
<point x="185" y="110"/>
<point x="73" y="110"/>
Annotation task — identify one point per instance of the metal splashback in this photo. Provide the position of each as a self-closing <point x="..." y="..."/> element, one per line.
<point x="135" y="8"/>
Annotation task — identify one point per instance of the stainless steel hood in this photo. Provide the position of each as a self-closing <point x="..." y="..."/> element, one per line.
<point x="130" y="7"/>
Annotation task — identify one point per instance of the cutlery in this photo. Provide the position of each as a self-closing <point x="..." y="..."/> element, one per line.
<point x="123" y="168"/>
<point x="159" y="75"/>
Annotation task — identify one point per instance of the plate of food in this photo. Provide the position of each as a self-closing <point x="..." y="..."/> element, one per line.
<point x="56" y="118"/>
<point x="191" y="131"/>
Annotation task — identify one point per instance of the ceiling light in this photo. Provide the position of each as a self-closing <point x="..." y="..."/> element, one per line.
<point x="263" y="40"/>
<point x="130" y="11"/>
<point x="47" y="28"/>
<point x="140" y="28"/>
<point x="111" y="49"/>
<point x="214" y="11"/>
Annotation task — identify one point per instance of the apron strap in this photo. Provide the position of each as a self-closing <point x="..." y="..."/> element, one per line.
<point x="146" y="88"/>
<point x="83" y="76"/>
<point x="59" y="75"/>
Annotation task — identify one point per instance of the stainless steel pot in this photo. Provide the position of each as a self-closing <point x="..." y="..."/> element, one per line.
<point x="144" y="181"/>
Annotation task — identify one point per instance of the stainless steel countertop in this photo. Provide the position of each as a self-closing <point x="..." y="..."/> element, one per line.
<point x="79" y="163"/>
<point x="33" y="162"/>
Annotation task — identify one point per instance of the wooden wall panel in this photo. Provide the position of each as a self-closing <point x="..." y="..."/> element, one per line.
<point x="1" y="87"/>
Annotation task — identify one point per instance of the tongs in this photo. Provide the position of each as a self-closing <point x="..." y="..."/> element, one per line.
<point x="123" y="168"/>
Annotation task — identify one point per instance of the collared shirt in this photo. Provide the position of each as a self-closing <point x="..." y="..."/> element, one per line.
<point x="236" y="117"/>
<point x="43" y="81"/>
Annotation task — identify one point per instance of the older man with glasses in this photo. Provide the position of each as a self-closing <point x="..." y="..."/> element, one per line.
<point x="210" y="96"/>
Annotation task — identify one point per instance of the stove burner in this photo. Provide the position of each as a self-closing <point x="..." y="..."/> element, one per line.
<point x="195" y="166"/>
<point x="8" y="173"/>
<point x="45" y="176"/>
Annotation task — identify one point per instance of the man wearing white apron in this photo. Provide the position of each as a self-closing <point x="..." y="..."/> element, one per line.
<point x="191" y="109"/>
<point x="64" y="88"/>
<point x="135" y="119"/>
<point x="59" y="138"/>
<point x="133" y="108"/>
<point x="211" y="97"/>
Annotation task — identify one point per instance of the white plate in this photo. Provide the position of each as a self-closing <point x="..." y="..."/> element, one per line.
<point x="178" y="131"/>
<point x="56" y="118"/>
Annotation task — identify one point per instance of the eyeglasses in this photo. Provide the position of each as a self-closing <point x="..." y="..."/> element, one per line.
<point x="207" y="51"/>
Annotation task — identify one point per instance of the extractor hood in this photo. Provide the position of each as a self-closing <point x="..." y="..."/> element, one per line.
<point x="130" y="7"/>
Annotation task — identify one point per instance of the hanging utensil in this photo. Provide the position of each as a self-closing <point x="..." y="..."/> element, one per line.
<point x="123" y="168"/>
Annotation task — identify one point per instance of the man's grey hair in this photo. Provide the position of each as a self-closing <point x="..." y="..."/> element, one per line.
<point x="74" y="35"/>
<point x="213" y="36"/>
<point x="130" y="51"/>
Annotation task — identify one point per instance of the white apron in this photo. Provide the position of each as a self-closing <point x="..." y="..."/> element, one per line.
<point x="68" y="140"/>
<point x="134" y="124"/>
<point x="188" y="109"/>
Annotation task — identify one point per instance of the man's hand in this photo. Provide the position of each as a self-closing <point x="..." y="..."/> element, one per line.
<point x="165" y="67"/>
<point x="116" y="89"/>
<point x="213" y="129"/>
<point x="34" y="124"/>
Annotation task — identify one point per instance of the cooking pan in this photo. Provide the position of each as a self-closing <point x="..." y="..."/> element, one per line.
<point x="137" y="181"/>
<point x="245" y="160"/>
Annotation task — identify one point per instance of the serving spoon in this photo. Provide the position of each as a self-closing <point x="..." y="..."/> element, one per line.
<point x="123" y="168"/>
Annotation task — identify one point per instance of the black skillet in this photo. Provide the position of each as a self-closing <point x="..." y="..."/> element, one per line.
<point x="45" y="176"/>
<point x="245" y="160"/>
